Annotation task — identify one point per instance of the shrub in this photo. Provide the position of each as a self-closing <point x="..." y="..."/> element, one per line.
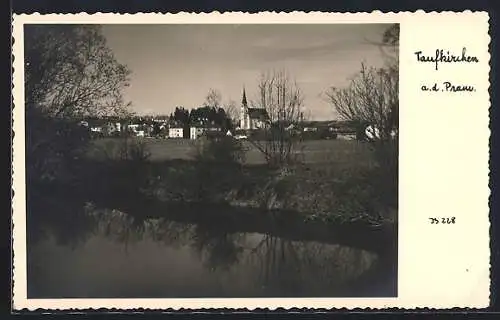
<point x="218" y="167"/>
<point x="221" y="149"/>
<point x="52" y="146"/>
<point x="135" y="150"/>
<point x="124" y="149"/>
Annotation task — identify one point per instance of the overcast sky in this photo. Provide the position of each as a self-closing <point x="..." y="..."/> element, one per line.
<point x="176" y="65"/>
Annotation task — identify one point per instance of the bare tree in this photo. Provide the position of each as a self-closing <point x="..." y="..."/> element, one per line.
<point x="226" y="112"/>
<point x="231" y="110"/>
<point x="371" y="98"/>
<point x="282" y="100"/>
<point x="213" y="99"/>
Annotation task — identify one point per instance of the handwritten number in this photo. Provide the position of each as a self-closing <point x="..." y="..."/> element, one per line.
<point x="445" y="220"/>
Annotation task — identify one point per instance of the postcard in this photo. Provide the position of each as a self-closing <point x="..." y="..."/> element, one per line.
<point x="236" y="160"/>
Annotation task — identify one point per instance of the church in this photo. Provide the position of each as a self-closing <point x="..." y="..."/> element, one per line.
<point x="252" y="118"/>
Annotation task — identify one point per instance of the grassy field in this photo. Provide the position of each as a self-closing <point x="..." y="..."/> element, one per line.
<point x="342" y="152"/>
<point x="337" y="178"/>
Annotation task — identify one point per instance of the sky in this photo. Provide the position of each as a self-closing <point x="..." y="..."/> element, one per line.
<point x="176" y="65"/>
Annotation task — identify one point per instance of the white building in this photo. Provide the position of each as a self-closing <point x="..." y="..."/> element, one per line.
<point x="346" y="136"/>
<point x="195" y="132"/>
<point x="133" y="127"/>
<point x="310" y="129"/>
<point x="252" y="118"/>
<point x="176" y="133"/>
<point x="373" y="133"/>
<point x="114" y="127"/>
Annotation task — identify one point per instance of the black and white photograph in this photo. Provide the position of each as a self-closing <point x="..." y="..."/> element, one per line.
<point x="211" y="160"/>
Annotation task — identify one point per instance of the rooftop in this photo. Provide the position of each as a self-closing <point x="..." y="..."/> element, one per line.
<point x="258" y="113"/>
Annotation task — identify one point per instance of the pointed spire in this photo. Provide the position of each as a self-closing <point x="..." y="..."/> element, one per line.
<point x="244" y="99"/>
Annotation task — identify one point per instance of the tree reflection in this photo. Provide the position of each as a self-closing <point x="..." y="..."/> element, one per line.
<point x="168" y="232"/>
<point x="288" y="267"/>
<point x="218" y="249"/>
<point x="118" y="226"/>
<point x="275" y="266"/>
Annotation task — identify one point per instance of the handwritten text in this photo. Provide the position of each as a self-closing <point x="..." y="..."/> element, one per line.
<point x="446" y="57"/>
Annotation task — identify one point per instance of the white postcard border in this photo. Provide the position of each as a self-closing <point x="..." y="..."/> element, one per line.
<point x="439" y="266"/>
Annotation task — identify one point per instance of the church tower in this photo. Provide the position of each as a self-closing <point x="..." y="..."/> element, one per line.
<point x="244" y="119"/>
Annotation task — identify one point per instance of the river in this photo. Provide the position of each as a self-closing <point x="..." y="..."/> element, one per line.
<point x="116" y="257"/>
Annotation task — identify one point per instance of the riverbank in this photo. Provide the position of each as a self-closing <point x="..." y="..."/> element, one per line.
<point x="70" y="209"/>
<point x="231" y="202"/>
<point x="319" y="193"/>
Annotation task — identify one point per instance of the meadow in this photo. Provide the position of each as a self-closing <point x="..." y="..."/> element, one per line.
<point x="335" y="179"/>
<point x="340" y="152"/>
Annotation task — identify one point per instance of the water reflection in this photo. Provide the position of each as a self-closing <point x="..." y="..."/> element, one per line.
<point x="123" y="257"/>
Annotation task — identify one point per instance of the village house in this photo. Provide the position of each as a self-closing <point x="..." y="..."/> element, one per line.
<point x="133" y="127"/>
<point x="310" y="129"/>
<point x="346" y="136"/>
<point x="175" y="132"/>
<point x="161" y="123"/>
<point x="136" y="129"/>
<point x="140" y="133"/>
<point x="196" y="131"/>
<point x="96" y="129"/>
<point x="114" y="127"/>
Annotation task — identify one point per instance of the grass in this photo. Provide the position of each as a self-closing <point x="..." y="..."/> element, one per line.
<point x="339" y="152"/>
<point x="338" y="181"/>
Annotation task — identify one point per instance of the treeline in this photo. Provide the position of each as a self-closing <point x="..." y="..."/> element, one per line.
<point x="202" y="116"/>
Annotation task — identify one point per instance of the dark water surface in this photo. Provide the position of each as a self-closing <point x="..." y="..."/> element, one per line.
<point x="117" y="258"/>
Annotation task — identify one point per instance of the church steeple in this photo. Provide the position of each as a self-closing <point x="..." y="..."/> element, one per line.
<point x="244" y="119"/>
<point x="244" y="99"/>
